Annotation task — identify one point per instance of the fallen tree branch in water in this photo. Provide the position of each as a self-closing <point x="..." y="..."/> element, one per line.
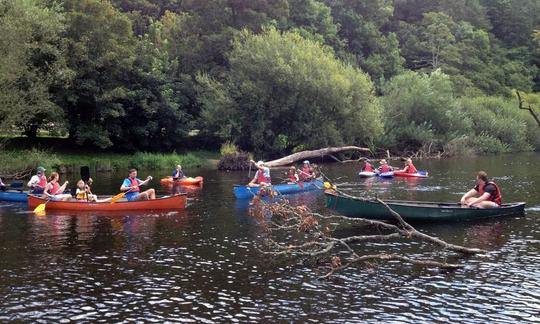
<point x="298" y="232"/>
<point x="304" y="155"/>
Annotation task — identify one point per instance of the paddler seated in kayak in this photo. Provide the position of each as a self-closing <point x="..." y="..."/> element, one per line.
<point x="262" y="176"/>
<point x="54" y="190"/>
<point x="384" y="167"/>
<point x="131" y="186"/>
<point x="178" y="173"/>
<point x="489" y="193"/>
<point x="292" y="176"/>
<point x="409" y="167"/>
<point x="307" y="172"/>
<point x="367" y="167"/>
<point x="38" y="182"/>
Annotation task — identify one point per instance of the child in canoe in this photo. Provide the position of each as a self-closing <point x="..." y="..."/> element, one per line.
<point x="292" y="176"/>
<point x="178" y="173"/>
<point x="54" y="190"/>
<point x="367" y="167"/>
<point x="384" y="167"/>
<point x="83" y="191"/>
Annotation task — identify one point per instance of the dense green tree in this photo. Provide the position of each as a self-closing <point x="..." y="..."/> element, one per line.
<point x="31" y="65"/>
<point x="285" y="93"/>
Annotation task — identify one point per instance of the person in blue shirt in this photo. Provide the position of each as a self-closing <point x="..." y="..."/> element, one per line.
<point x="178" y="173"/>
<point x="131" y="186"/>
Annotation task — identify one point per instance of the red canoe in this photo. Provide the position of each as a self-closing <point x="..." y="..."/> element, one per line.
<point x="419" y="174"/>
<point x="171" y="202"/>
<point x="184" y="181"/>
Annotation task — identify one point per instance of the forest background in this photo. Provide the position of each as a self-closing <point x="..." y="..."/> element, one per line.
<point x="272" y="76"/>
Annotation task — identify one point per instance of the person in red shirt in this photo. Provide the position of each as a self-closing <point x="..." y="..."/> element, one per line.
<point x="384" y="167"/>
<point x="307" y="173"/>
<point x="367" y="167"/>
<point x="489" y="193"/>
<point x="409" y="167"/>
<point x="292" y="176"/>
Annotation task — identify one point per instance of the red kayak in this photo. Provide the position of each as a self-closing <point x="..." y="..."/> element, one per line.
<point x="183" y="181"/>
<point x="419" y="174"/>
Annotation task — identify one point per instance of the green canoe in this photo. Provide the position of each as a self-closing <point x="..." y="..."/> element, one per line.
<point x="416" y="210"/>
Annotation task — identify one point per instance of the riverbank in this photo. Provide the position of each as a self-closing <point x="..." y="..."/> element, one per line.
<point x="20" y="162"/>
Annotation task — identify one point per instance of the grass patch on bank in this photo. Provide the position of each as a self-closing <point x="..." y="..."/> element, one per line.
<point x="14" y="161"/>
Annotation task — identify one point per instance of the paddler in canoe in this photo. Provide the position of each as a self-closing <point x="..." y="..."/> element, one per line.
<point x="307" y="173"/>
<point x="409" y="167"/>
<point x="292" y="175"/>
<point x="131" y="186"/>
<point x="38" y="182"/>
<point x="262" y="176"/>
<point x="54" y="190"/>
<point x="488" y="191"/>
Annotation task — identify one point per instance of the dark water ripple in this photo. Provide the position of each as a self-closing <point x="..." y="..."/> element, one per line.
<point x="201" y="265"/>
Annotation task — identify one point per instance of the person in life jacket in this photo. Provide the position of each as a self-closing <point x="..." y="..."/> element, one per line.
<point x="131" y="186"/>
<point x="307" y="173"/>
<point x="178" y="173"/>
<point x="367" y="167"/>
<point x="384" y="167"/>
<point x="292" y="176"/>
<point x="54" y="190"/>
<point x="262" y="176"/>
<point x="488" y="192"/>
<point x="38" y="182"/>
<point x="409" y="167"/>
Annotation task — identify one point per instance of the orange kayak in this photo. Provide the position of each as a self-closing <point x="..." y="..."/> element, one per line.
<point x="170" y="202"/>
<point x="183" y="181"/>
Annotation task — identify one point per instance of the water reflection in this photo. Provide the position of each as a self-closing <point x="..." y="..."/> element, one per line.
<point x="200" y="264"/>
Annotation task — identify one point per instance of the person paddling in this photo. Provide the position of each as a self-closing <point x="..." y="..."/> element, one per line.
<point x="262" y="176"/>
<point x="54" y="190"/>
<point x="489" y="193"/>
<point x="178" y="173"/>
<point x="292" y="176"/>
<point x="409" y="167"/>
<point x="38" y="182"/>
<point x="131" y="186"/>
<point x="307" y="172"/>
<point x="384" y="167"/>
<point x="367" y="167"/>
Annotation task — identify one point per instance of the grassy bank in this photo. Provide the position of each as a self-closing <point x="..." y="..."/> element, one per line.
<point x="14" y="161"/>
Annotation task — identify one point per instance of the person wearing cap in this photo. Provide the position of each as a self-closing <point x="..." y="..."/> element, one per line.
<point x="262" y="176"/>
<point x="38" y="182"/>
<point x="384" y="167"/>
<point x="307" y="172"/>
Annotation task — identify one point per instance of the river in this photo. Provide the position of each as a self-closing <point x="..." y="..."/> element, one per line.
<point x="201" y="265"/>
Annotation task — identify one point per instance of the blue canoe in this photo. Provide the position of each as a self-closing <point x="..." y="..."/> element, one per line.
<point x="16" y="196"/>
<point x="245" y="192"/>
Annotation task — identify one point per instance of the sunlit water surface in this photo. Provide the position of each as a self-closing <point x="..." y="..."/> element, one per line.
<point x="201" y="264"/>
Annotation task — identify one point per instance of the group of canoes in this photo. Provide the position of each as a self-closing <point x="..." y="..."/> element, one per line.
<point x="485" y="195"/>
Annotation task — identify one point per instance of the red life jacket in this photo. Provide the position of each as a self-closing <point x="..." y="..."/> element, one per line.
<point x="134" y="184"/>
<point x="292" y="177"/>
<point x="496" y="197"/>
<point x="384" y="168"/>
<point x="411" y="169"/>
<point x="262" y="178"/>
<point x="42" y="181"/>
<point x="368" y="168"/>
<point x="54" y="189"/>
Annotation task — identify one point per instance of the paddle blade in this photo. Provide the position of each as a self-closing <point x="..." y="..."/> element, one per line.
<point x="39" y="209"/>
<point x="117" y="197"/>
<point x="85" y="173"/>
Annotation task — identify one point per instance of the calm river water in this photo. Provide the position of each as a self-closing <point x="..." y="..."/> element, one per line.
<point x="201" y="265"/>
